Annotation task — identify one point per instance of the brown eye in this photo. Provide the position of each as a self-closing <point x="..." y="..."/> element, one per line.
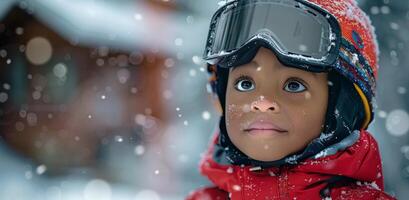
<point x="244" y="84"/>
<point x="294" y="87"/>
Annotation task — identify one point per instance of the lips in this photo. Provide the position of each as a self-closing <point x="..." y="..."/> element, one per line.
<point x="264" y="125"/>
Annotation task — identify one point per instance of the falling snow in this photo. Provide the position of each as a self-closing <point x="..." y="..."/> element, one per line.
<point x="3" y="97"/>
<point x="97" y="189"/>
<point x="139" y="150"/>
<point x="41" y="169"/>
<point x="39" y="50"/>
<point x="147" y="194"/>
<point x="206" y="115"/>
<point x="397" y="122"/>
<point x="138" y="16"/>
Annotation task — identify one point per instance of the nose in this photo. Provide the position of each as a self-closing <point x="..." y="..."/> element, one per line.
<point x="264" y="105"/>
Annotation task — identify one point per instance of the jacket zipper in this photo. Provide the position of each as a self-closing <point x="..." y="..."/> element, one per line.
<point x="283" y="183"/>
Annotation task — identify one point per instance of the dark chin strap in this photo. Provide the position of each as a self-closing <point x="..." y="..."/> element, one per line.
<point x="345" y="113"/>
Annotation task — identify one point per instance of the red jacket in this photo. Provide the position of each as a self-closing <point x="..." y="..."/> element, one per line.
<point x="360" y="162"/>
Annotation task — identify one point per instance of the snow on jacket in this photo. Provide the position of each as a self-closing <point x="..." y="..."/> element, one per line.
<point x="354" y="173"/>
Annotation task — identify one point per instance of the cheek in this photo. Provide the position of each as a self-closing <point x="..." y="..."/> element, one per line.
<point x="309" y="118"/>
<point x="234" y="115"/>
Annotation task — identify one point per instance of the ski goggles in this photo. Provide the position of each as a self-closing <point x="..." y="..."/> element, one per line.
<point x="300" y="33"/>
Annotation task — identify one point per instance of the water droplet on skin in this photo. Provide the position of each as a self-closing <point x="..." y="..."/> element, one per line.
<point x="246" y="108"/>
<point x="227" y="122"/>
<point x="244" y="125"/>
<point x="307" y="95"/>
<point x="231" y="107"/>
<point x="234" y="111"/>
<point x="258" y="69"/>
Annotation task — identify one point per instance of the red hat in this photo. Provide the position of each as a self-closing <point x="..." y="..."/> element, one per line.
<point x="360" y="60"/>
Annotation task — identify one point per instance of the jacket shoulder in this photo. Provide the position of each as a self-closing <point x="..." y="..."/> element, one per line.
<point x="208" y="193"/>
<point x="360" y="191"/>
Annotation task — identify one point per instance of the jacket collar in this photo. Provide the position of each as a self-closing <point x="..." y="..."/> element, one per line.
<point x="360" y="161"/>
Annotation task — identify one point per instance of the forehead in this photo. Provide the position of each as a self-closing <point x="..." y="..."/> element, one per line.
<point x="267" y="64"/>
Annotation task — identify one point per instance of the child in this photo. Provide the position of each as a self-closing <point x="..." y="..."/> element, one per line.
<point x="294" y="79"/>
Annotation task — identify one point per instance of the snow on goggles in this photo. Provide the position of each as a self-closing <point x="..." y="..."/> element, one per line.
<point x="300" y="33"/>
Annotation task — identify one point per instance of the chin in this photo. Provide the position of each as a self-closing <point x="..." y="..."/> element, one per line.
<point x="265" y="156"/>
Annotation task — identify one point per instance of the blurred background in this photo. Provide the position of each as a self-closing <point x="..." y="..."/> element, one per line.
<point x="107" y="99"/>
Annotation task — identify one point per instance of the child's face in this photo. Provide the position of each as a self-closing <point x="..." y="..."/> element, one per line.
<point x="273" y="110"/>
